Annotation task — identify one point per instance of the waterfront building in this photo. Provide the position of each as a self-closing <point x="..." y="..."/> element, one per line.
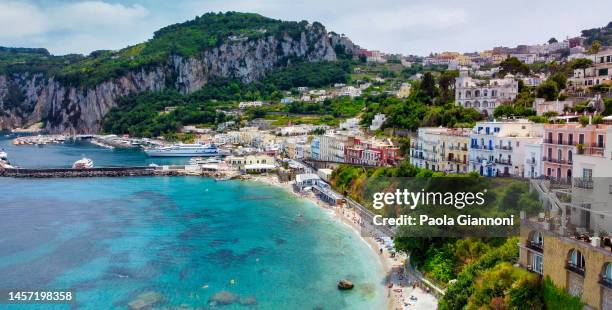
<point x="371" y="152"/>
<point x="563" y="141"/>
<point x="484" y="95"/>
<point x="498" y="148"/>
<point x="330" y="146"/>
<point x="252" y="161"/>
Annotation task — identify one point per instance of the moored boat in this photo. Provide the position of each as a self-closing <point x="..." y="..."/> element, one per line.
<point x="83" y="163"/>
<point x="184" y="150"/>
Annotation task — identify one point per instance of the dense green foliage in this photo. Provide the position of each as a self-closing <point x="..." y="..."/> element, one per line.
<point x="602" y="35"/>
<point x="430" y="104"/>
<point x="33" y="60"/>
<point x="513" y="65"/>
<point x="141" y="114"/>
<point x="557" y="298"/>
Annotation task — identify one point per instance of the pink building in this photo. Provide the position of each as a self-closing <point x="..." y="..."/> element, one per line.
<point x="563" y="141"/>
<point x="371" y="152"/>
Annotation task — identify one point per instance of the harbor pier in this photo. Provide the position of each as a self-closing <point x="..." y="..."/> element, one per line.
<point x="84" y="173"/>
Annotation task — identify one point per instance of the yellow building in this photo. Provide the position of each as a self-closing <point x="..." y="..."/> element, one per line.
<point x="453" y="156"/>
<point x="582" y="267"/>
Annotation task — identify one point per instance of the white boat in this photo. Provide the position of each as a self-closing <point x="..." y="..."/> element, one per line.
<point x="184" y="150"/>
<point x="204" y="161"/>
<point x="83" y="163"/>
<point x="3" y="155"/>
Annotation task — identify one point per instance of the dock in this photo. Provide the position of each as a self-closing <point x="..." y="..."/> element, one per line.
<point x="85" y="173"/>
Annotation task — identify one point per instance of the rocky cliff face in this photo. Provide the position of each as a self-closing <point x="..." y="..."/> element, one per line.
<point x="29" y="97"/>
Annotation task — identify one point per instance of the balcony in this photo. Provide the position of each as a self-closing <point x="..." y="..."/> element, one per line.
<point x="503" y="162"/>
<point x="557" y="161"/>
<point x="536" y="246"/>
<point x="606" y="282"/>
<point x="583" y="183"/>
<point x="575" y="268"/>
<point x="531" y="161"/>
<point x="591" y="151"/>
<point x="503" y="147"/>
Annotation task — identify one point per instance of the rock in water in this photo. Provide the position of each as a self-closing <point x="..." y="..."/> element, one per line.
<point x="345" y="284"/>
<point x="248" y="301"/>
<point x="223" y="298"/>
<point x="145" y="301"/>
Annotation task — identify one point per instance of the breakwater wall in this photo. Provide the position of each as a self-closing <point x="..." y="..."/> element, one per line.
<point x="84" y="173"/>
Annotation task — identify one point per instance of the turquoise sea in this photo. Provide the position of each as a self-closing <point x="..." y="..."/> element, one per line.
<point x="183" y="238"/>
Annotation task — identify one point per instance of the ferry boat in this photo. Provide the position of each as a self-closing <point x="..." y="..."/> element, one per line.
<point x="184" y="150"/>
<point x="83" y="163"/>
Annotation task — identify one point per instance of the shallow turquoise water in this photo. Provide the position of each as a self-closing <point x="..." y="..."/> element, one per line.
<point x="111" y="239"/>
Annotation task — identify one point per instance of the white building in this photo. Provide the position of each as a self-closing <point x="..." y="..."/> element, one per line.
<point x="250" y="104"/>
<point x="484" y="95"/>
<point x="599" y="73"/>
<point x="498" y="148"/>
<point x="541" y="106"/>
<point x="330" y="147"/>
<point x="378" y="121"/>
<point x="533" y="160"/>
<point x="424" y="150"/>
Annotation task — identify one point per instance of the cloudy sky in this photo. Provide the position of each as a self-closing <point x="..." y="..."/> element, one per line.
<point x="398" y="26"/>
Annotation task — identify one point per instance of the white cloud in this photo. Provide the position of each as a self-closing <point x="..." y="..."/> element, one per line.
<point x="96" y="15"/>
<point x="21" y="19"/>
<point x="79" y="27"/>
<point x="405" y="26"/>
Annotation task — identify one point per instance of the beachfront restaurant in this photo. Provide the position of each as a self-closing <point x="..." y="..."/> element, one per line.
<point x="305" y="180"/>
<point x="258" y="168"/>
<point x="327" y="194"/>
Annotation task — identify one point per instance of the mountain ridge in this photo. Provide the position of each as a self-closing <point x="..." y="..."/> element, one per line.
<point x="72" y="93"/>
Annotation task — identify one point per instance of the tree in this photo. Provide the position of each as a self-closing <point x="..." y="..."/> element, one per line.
<point x="447" y="83"/>
<point x="514" y="66"/>
<point x="552" y="40"/>
<point x="595" y="47"/>
<point x="580" y="63"/>
<point x="548" y="90"/>
<point x="428" y="86"/>
<point x="559" y="79"/>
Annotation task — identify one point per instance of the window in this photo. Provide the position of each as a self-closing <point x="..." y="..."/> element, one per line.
<point x="550" y="137"/>
<point x="576" y="259"/>
<point x="607" y="274"/>
<point x="569" y="156"/>
<point x="587" y="174"/>
<point x="602" y="72"/>
<point x="600" y="141"/>
<point x="581" y="138"/>
<point x="560" y="138"/>
<point x="537" y="263"/>
<point x="570" y="139"/>
<point x="559" y="155"/>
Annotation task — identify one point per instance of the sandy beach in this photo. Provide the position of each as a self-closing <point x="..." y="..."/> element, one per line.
<point x="400" y="292"/>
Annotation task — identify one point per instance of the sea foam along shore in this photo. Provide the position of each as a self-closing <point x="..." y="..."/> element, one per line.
<point x="350" y="219"/>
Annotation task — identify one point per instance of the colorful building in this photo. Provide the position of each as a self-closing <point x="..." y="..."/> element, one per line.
<point x="563" y="141"/>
